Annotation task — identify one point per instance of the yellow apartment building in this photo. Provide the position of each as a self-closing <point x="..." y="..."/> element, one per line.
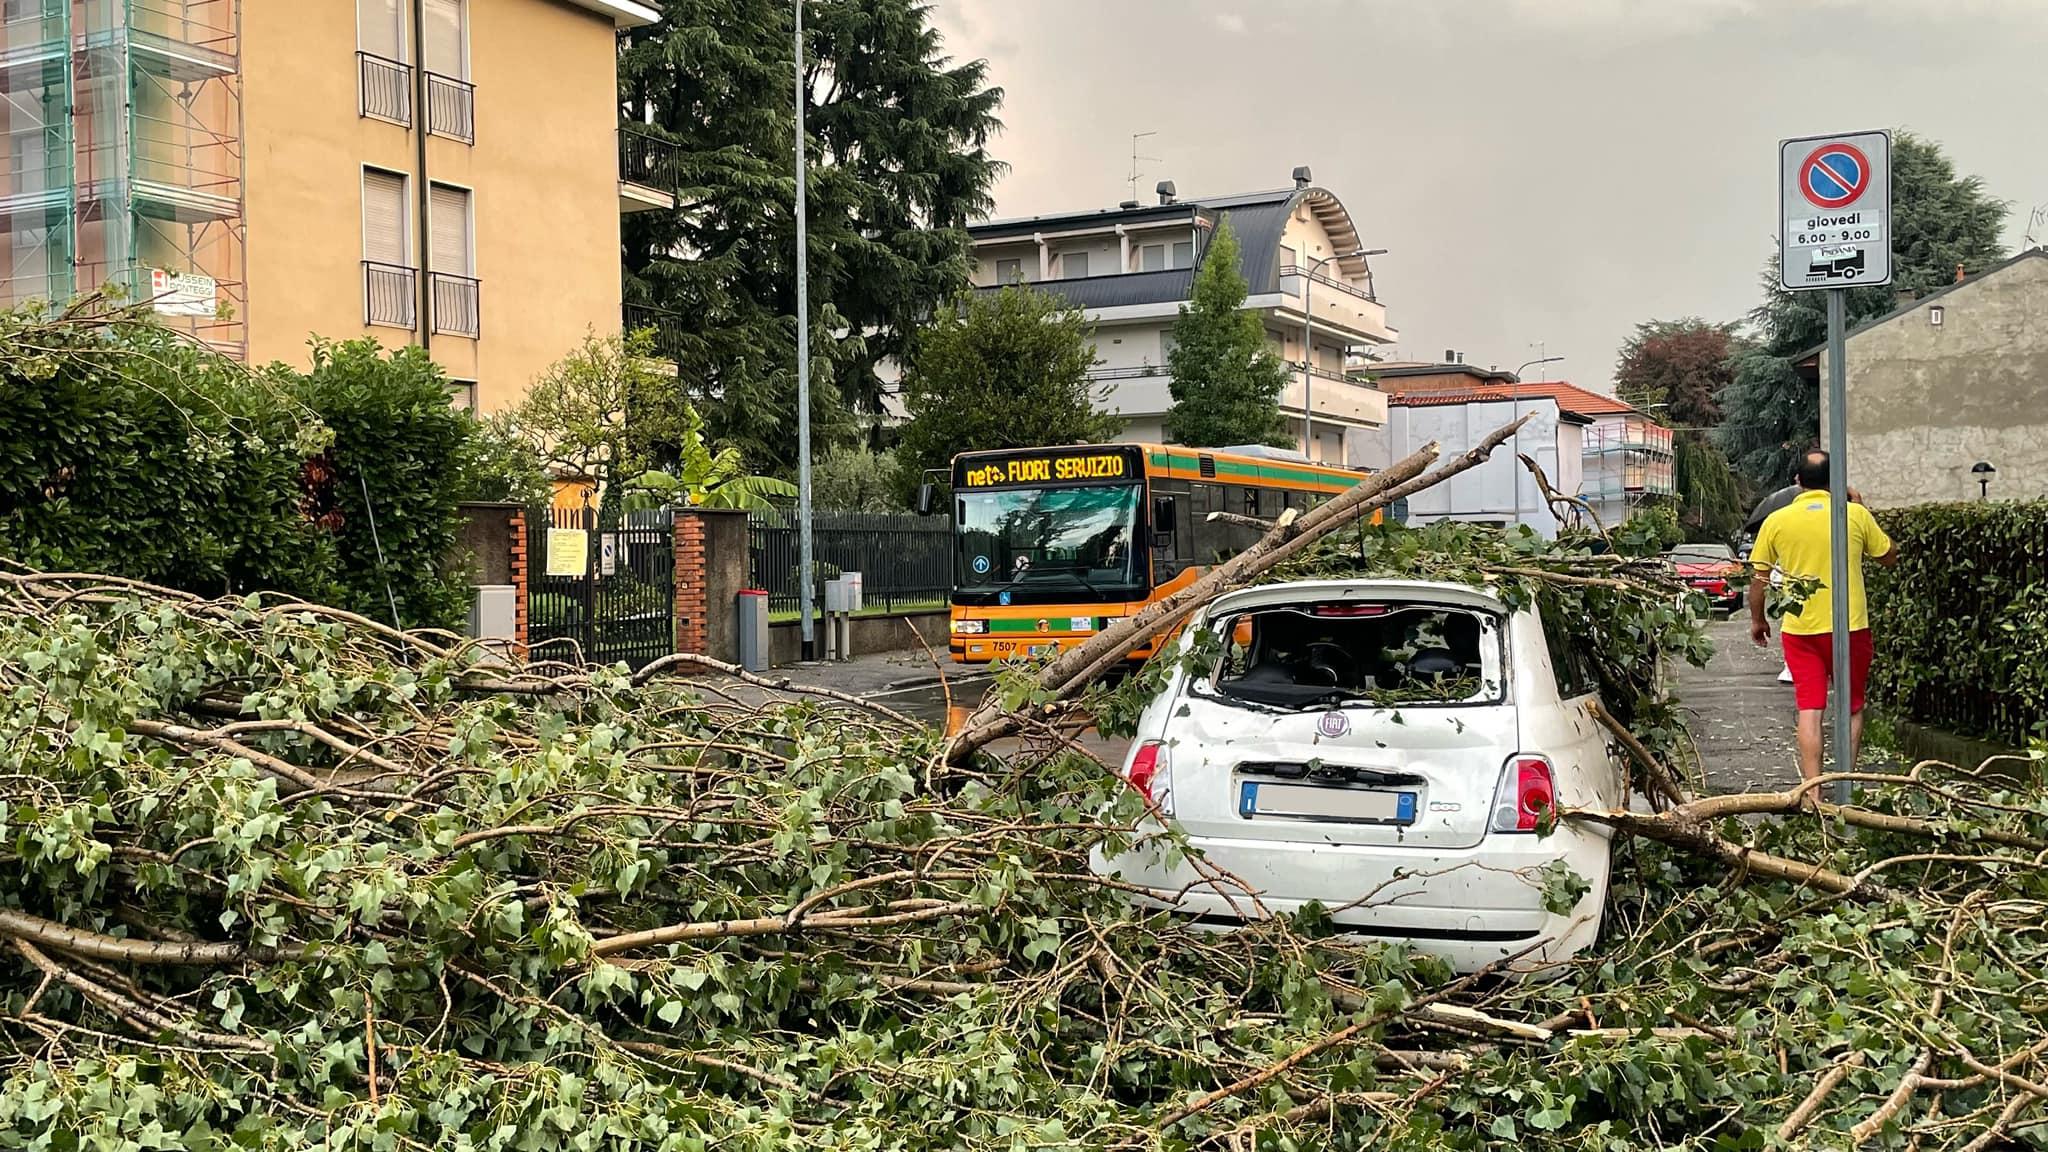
<point x="448" y="173"/>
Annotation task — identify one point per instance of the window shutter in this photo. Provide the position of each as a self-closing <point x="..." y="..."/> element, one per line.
<point x="1152" y="257"/>
<point x="443" y="37"/>
<point x="384" y="218"/>
<point x="451" y="221"/>
<point x="380" y="28"/>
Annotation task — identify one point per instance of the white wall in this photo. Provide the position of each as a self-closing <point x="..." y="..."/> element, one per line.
<point x="1485" y="492"/>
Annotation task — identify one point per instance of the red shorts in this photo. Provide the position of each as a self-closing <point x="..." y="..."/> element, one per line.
<point x="1812" y="661"/>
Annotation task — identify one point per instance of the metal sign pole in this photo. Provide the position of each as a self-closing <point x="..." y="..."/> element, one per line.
<point x="1838" y="533"/>
<point x="1835" y="204"/>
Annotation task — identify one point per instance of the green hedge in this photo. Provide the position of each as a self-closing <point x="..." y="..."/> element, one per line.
<point x="126" y="450"/>
<point x="1961" y="622"/>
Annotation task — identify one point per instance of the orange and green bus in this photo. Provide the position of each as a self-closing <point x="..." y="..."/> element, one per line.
<point x="1051" y="545"/>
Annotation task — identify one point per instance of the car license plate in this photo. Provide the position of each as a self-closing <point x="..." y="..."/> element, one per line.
<point x="1309" y="802"/>
<point x="1043" y="649"/>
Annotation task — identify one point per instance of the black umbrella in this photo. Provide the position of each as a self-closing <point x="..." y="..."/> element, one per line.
<point x="1770" y="504"/>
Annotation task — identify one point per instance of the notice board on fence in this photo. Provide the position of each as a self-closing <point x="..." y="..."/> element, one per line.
<point x="568" y="552"/>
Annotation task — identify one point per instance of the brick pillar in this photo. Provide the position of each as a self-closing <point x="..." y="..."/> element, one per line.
<point x="692" y="582"/>
<point x="519" y="586"/>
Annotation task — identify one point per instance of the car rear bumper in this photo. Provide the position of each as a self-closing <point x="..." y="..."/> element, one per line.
<point x="1471" y="907"/>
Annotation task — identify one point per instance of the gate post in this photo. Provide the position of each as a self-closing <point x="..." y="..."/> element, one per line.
<point x="520" y="641"/>
<point x="691" y="604"/>
<point x="711" y="568"/>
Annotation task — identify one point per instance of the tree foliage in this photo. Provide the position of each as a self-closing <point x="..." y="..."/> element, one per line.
<point x="897" y="143"/>
<point x="1676" y="370"/>
<point x="1941" y="221"/>
<point x="1004" y="369"/>
<point x="272" y="880"/>
<point x="859" y="479"/>
<point x="1226" y="382"/>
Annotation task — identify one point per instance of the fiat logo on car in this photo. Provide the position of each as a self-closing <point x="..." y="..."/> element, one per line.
<point x="1333" y="724"/>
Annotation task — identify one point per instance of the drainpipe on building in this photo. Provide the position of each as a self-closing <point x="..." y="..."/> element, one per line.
<point x="425" y="304"/>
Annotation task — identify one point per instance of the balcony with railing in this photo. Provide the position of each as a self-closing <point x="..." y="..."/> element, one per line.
<point x="457" y="303"/>
<point x="665" y="329"/>
<point x="1334" y="396"/>
<point x="1339" y="305"/>
<point x="451" y="108"/>
<point x="390" y="295"/>
<point x="650" y="171"/>
<point x="384" y="89"/>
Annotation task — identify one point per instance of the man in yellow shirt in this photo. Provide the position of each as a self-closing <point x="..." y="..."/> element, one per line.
<point x="1795" y="540"/>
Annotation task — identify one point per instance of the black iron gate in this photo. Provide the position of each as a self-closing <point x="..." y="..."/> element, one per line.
<point x="617" y="600"/>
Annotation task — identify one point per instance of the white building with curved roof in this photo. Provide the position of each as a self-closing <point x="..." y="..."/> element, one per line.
<point x="1130" y="269"/>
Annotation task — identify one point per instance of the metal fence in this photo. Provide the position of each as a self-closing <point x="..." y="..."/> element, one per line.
<point x="618" y="604"/>
<point x="905" y="561"/>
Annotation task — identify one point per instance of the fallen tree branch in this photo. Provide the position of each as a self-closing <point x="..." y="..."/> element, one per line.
<point x="1081" y="665"/>
<point x="1810" y="1107"/>
<point x="50" y="934"/>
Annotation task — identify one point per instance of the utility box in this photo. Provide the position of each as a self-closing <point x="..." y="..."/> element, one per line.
<point x="494" y="612"/>
<point x="751" y="605"/>
<point x="843" y="594"/>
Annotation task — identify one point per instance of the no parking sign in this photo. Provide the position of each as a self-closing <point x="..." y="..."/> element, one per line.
<point x="1835" y="199"/>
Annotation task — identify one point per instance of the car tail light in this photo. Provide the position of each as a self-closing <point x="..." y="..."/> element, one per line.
<point x="1526" y="795"/>
<point x="1350" y="610"/>
<point x="1151" y="775"/>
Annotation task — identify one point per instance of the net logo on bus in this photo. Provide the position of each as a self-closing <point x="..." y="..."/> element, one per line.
<point x="1047" y="470"/>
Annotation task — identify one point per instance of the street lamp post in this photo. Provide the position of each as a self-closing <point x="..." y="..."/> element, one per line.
<point x="1983" y="471"/>
<point x="805" y="576"/>
<point x="1515" y="466"/>
<point x="1308" y="345"/>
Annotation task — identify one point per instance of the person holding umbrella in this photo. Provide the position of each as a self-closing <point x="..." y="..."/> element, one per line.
<point x="1795" y="540"/>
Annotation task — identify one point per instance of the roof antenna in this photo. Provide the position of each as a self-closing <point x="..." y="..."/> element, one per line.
<point x="1135" y="157"/>
<point x="2035" y="220"/>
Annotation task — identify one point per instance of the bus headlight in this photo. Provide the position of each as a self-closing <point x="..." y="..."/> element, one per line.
<point x="970" y="627"/>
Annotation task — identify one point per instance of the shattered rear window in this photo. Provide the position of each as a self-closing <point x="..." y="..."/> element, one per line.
<point x="1320" y="655"/>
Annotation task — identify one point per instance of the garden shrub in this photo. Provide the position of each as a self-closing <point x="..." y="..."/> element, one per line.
<point x="1962" y="619"/>
<point x="128" y="450"/>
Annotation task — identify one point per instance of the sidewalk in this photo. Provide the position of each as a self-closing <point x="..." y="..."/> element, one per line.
<point x="878" y="672"/>
<point x="1740" y="716"/>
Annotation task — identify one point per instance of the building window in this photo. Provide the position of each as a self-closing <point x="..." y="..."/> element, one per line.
<point x="444" y="42"/>
<point x="384" y="79"/>
<point x="462" y="395"/>
<point x="455" y="296"/>
<point x="1152" y="258"/>
<point x="389" y="291"/>
<point x="1184" y="254"/>
<point x="1074" y="265"/>
<point x="1287" y="259"/>
<point x="1166" y="345"/>
<point x="1009" y="271"/>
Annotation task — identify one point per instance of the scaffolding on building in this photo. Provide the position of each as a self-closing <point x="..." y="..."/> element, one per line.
<point x="124" y="161"/>
<point x="1632" y="458"/>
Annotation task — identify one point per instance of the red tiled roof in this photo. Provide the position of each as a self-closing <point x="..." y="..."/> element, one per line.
<point x="1434" y="397"/>
<point x="1570" y="397"/>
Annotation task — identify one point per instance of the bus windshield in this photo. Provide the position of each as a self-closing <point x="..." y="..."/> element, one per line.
<point x="1051" y="544"/>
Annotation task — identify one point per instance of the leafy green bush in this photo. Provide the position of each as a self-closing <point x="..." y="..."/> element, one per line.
<point x="1961" y="621"/>
<point x="127" y="450"/>
<point x="400" y="447"/>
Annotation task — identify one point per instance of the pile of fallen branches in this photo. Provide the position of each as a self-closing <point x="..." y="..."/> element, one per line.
<point x="277" y="877"/>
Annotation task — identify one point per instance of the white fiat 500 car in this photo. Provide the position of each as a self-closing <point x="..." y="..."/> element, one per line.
<point x="1390" y="750"/>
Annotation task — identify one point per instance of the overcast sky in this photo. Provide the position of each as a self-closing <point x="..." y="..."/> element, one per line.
<point x="1543" y="171"/>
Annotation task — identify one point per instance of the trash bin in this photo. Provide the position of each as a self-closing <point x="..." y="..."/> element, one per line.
<point x="752" y="606"/>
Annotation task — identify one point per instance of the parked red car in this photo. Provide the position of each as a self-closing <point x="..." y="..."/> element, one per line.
<point x="1712" y="570"/>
